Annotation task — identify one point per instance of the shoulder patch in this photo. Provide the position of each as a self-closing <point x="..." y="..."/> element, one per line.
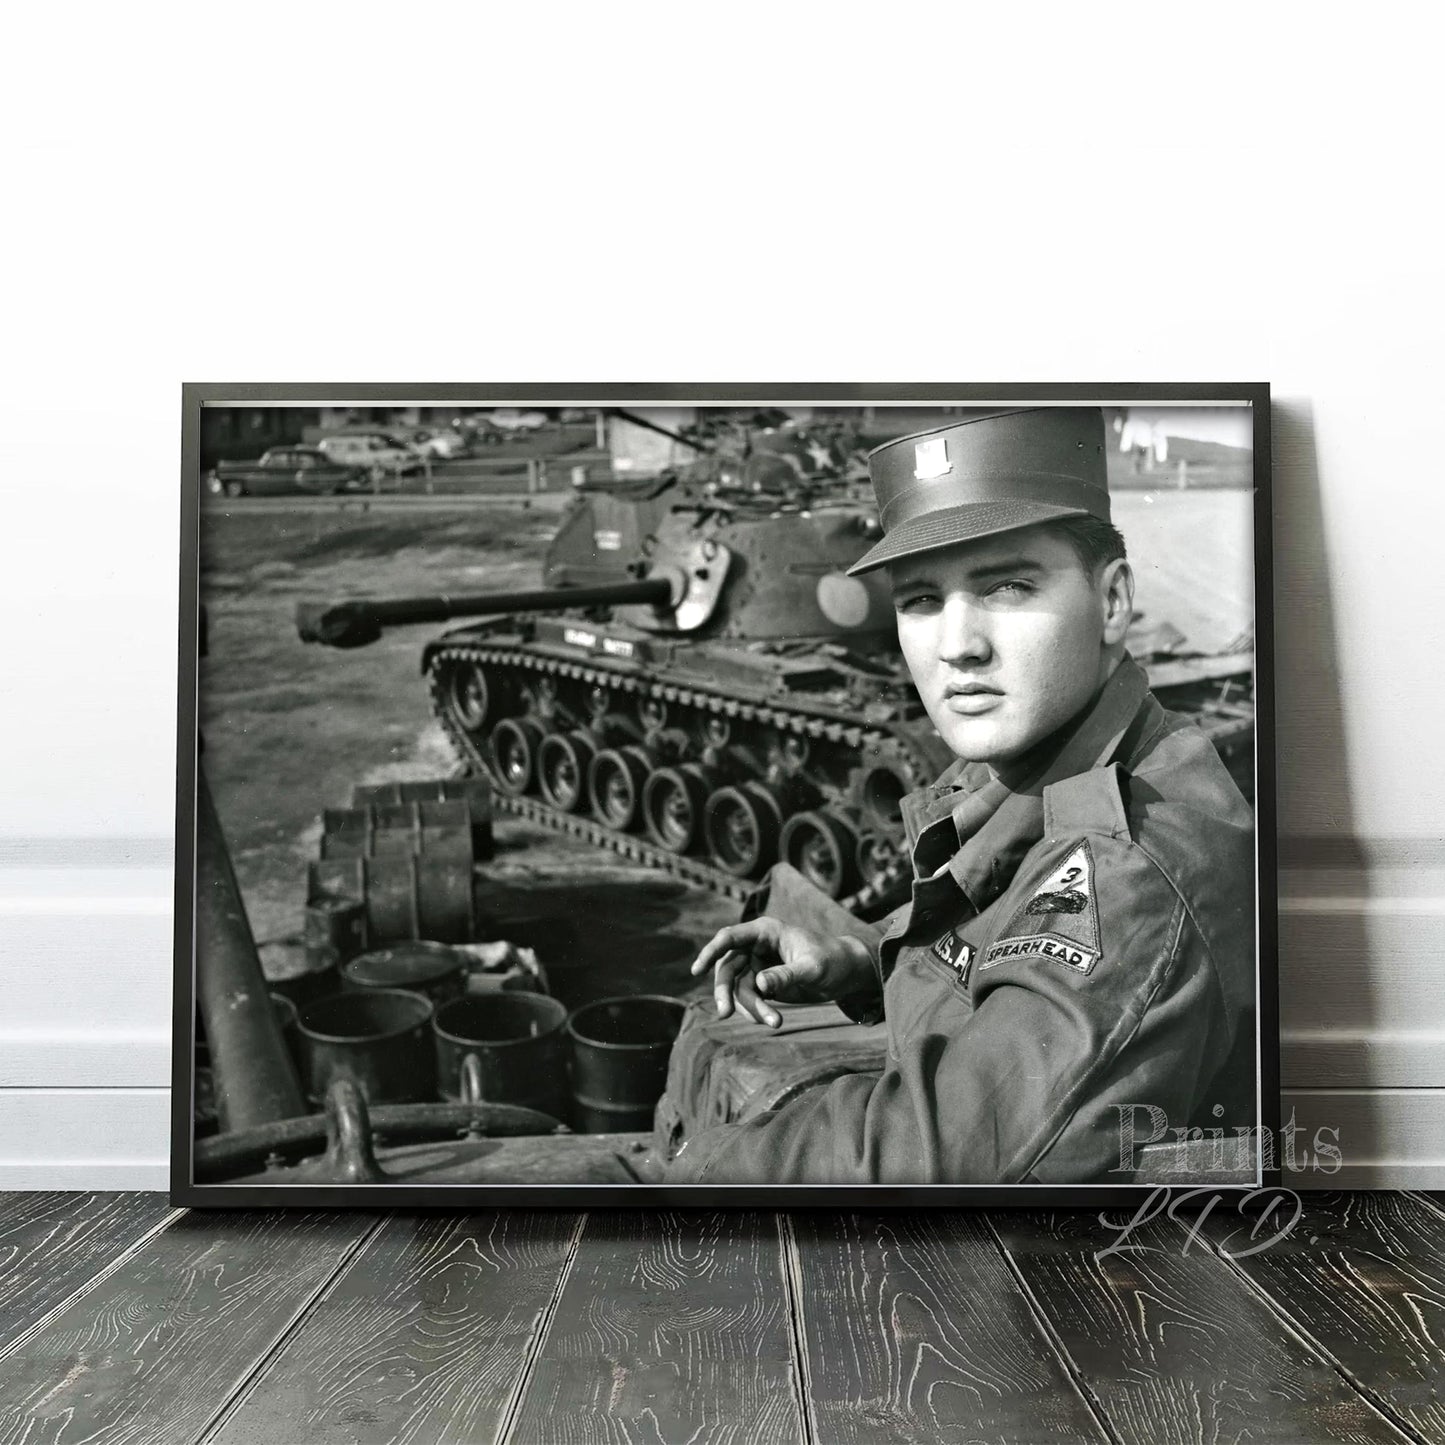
<point x="1069" y="888"/>
<point x="1041" y="945"/>
<point x="1060" y="920"/>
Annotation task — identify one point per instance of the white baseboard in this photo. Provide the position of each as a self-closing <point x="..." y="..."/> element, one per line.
<point x="85" y="975"/>
<point x="83" y="1175"/>
<point x="96" y="1138"/>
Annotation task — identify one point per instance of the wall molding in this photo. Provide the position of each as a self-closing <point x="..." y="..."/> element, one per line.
<point x="85" y="973"/>
<point x="1340" y="851"/>
<point x="99" y="851"/>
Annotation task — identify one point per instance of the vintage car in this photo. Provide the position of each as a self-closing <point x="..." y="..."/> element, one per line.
<point x="378" y="454"/>
<point x="285" y="470"/>
<point x="510" y="419"/>
<point x="444" y="445"/>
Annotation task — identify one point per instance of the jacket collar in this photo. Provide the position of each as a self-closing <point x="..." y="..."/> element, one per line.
<point x="995" y="823"/>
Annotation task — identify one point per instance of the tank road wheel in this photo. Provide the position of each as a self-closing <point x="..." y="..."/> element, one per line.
<point x="469" y="695"/>
<point x="615" y="782"/>
<point x="741" y="826"/>
<point x="673" y="803"/>
<point x="562" y="766"/>
<point x="795" y="753"/>
<point x="824" y="849"/>
<point x="883" y="793"/>
<point x="878" y="860"/>
<point x="515" y="741"/>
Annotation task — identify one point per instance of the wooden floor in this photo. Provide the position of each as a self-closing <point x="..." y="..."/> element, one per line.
<point x="121" y="1320"/>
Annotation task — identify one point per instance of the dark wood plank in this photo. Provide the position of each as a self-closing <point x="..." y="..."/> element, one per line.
<point x="1363" y="1276"/>
<point x="155" y="1350"/>
<point x="671" y="1327"/>
<point x="53" y="1243"/>
<point x="423" y="1340"/>
<point x="1172" y="1343"/>
<point x="915" y="1330"/>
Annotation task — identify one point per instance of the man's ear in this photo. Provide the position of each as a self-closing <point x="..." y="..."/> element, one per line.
<point x="1116" y="593"/>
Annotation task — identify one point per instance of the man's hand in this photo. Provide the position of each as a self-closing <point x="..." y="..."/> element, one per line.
<point x="782" y="961"/>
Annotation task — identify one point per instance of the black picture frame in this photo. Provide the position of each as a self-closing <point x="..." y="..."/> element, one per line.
<point x="197" y="397"/>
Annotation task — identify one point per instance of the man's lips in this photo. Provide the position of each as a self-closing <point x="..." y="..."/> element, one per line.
<point x="971" y="697"/>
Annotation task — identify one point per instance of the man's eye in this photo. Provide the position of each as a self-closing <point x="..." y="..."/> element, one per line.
<point x="1011" y="587"/>
<point x="916" y="601"/>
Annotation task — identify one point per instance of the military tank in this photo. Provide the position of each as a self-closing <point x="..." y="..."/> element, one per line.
<point x="701" y="687"/>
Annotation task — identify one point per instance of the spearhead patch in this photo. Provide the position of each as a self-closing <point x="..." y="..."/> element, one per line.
<point x="1041" y="945"/>
<point x="1060" y="921"/>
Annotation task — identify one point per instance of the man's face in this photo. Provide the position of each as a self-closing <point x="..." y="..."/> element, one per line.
<point x="1005" y="638"/>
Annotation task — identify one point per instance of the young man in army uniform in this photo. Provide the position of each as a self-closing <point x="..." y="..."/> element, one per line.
<point x="1080" y="941"/>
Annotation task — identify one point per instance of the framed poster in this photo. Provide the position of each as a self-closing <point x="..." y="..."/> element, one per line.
<point x="724" y="793"/>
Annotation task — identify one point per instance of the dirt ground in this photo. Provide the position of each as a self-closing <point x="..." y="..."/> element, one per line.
<point x="290" y="728"/>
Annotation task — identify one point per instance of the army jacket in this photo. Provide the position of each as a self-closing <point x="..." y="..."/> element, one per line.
<point x="1075" y="946"/>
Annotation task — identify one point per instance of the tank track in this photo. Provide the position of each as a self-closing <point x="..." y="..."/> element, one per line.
<point x="1228" y="724"/>
<point x="813" y="725"/>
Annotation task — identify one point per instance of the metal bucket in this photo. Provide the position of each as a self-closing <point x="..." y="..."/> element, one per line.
<point x="430" y="968"/>
<point x="381" y="1038"/>
<point x="620" y="1049"/>
<point x="503" y="1048"/>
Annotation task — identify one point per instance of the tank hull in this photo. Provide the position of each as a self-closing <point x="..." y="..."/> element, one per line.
<point x="761" y="753"/>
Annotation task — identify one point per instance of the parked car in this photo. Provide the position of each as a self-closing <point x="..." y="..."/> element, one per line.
<point x="283" y="470"/>
<point x="376" y="453"/>
<point x="481" y="432"/>
<point x="445" y="445"/>
<point x="511" y="420"/>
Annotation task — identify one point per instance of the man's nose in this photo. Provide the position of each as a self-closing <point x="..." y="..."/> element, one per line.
<point x="965" y="631"/>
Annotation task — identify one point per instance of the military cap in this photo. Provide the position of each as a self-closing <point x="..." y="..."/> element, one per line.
<point x="986" y="475"/>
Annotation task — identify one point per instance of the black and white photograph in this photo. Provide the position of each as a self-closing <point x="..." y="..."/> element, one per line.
<point x="725" y="793"/>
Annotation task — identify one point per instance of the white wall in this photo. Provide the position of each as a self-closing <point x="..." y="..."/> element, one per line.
<point x="810" y="194"/>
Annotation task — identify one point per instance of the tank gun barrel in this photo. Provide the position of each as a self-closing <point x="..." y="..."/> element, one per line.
<point x="662" y="431"/>
<point x="359" y="622"/>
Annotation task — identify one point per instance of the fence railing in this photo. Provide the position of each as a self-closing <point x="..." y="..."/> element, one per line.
<point x="539" y="474"/>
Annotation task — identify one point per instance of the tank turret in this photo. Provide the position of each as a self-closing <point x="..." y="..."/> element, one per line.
<point x="703" y="687"/>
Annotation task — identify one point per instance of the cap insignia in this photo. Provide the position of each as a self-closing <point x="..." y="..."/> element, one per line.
<point x="930" y="458"/>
